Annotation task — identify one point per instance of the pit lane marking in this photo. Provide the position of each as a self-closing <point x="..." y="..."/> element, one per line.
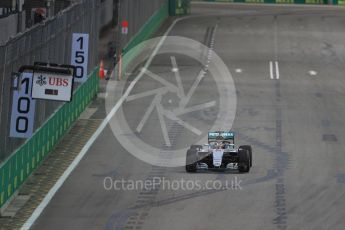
<point x="274" y="70"/>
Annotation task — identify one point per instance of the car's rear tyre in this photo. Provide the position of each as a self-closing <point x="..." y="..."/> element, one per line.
<point x="243" y="161"/>
<point x="191" y="160"/>
<point x="249" y="148"/>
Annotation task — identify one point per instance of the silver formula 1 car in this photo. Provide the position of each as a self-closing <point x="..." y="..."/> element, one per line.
<point x="219" y="153"/>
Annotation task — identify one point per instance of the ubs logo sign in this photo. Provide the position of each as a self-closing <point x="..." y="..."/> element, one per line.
<point x="41" y="80"/>
<point x="53" y="81"/>
<point x="52" y="86"/>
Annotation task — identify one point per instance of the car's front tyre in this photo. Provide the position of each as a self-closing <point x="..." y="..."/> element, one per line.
<point x="191" y="160"/>
<point x="243" y="161"/>
<point x="250" y="151"/>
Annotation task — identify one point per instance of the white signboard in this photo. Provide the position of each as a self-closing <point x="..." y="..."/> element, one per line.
<point x="52" y="86"/>
<point x="23" y="108"/>
<point x="124" y="30"/>
<point x="80" y="55"/>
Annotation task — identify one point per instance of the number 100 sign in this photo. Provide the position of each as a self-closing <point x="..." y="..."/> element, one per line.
<point x="80" y="54"/>
<point x="23" y="108"/>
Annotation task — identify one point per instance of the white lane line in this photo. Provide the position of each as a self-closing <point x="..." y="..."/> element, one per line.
<point x="274" y="74"/>
<point x="174" y="70"/>
<point x="238" y="70"/>
<point x="312" y="73"/>
<point x="34" y="216"/>
<point x="177" y="77"/>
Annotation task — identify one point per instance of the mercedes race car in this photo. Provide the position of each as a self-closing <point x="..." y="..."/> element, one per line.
<point x="219" y="153"/>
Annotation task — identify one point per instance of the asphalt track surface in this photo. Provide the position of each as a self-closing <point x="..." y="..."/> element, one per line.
<point x="295" y="125"/>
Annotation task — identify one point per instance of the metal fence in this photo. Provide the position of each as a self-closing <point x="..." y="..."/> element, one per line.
<point x="318" y="2"/>
<point x="137" y="13"/>
<point x="46" y="42"/>
<point x="51" y="42"/>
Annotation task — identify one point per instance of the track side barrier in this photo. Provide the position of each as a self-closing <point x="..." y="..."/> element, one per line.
<point x="149" y="28"/>
<point x="170" y="8"/>
<point x="314" y="2"/>
<point x="19" y="166"/>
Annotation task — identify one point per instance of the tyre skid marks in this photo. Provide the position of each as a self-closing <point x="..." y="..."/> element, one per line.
<point x="134" y="217"/>
<point x="280" y="165"/>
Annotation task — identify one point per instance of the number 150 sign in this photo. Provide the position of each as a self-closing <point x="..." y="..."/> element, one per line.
<point x="80" y="54"/>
